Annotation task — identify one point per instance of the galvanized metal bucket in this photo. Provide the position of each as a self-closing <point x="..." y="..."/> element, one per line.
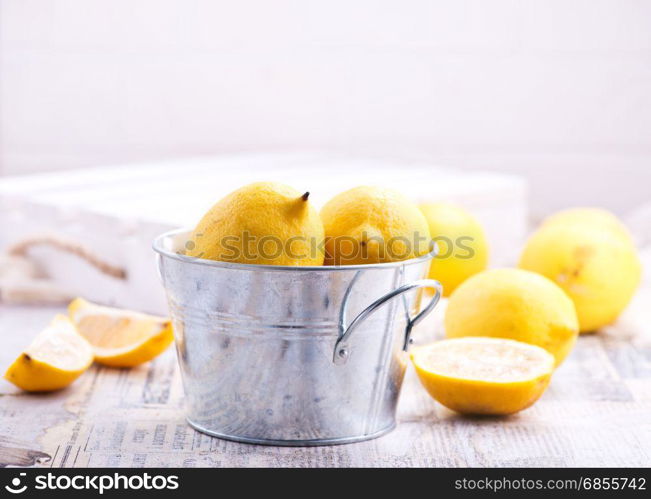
<point x="292" y="355"/>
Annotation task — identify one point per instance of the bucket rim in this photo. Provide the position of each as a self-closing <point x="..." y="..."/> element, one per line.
<point x="159" y="247"/>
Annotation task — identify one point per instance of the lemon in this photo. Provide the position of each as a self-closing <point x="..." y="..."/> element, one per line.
<point x="120" y="338"/>
<point x="263" y="223"/>
<point x="462" y="247"/>
<point x="56" y="357"/>
<point x="594" y="217"/>
<point x="367" y="225"/>
<point x="597" y="266"/>
<point x="514" y="304"/>
<point x="483" y="375"/>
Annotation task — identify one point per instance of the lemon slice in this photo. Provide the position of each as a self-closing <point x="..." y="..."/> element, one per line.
<point x="483" y="375"/>
<point x="120" y="338"/>
<point x="56" y="357"/>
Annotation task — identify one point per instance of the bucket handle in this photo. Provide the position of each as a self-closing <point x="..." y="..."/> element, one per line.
<point x="341" y="351"/>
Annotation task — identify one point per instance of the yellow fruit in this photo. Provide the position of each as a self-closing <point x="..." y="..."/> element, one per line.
<point x="514" y="304"/>
<point x="367" y="225"/>
<point x="120" y="338"/>
<point x="264" y="223"/>
<point x="462" y="246"/>
<point x="56" y="357"/>
<point x="483" y="375"/>
<point x="598" y="268"/>
<point x="595" y="217"/>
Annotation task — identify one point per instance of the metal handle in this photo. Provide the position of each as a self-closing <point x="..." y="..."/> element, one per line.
<point x="341" y="351"/>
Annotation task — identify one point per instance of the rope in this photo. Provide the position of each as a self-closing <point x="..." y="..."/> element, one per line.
<point x="22" y="247"/>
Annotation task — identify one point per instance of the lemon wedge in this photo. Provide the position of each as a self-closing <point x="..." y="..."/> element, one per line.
<point x="483" y="375"/>
<point x="120" y="338"/>
<point x="56" y="357"/>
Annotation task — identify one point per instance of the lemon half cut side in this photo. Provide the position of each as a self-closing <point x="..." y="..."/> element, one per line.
<point x="483" y="375"/>
<point x="120" y="338"/>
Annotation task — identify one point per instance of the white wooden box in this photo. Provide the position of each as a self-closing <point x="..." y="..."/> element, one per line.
<point x="117" y="211"/>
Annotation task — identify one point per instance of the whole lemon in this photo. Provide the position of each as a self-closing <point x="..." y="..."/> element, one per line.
<point x="597" y="267"/>
<point x="514" y="304"/>
<point x="263" y="223"/>
<point x="462" y="246"/>
<point x="595" y="217"/>
<point x="368" y="225"/>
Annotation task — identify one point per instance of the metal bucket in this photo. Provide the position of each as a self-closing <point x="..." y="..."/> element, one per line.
<point x="292" y="355"/>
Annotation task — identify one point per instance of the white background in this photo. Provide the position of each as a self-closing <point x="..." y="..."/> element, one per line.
<point x="558" y="90"/>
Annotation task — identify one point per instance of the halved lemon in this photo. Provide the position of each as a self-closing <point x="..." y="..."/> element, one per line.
<point x="483" y="375"/>
<point x="120" y="338"/>
<point x="56" y="357"/>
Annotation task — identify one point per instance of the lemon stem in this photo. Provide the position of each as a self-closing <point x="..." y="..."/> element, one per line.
<point x="305" y="196"/>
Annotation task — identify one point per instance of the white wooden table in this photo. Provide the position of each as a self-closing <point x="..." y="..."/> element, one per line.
<point x="597" y="412"/>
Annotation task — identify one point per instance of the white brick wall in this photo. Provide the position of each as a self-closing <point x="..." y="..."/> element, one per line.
<point x="559" y="90"/>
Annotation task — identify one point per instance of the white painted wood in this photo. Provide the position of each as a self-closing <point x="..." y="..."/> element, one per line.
<point x="117" y="211"/>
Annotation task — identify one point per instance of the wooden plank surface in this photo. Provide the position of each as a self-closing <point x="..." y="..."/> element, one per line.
<point x="597" y="412"/>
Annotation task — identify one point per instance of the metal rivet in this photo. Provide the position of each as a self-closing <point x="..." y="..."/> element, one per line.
<point x="343" y="353"/>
